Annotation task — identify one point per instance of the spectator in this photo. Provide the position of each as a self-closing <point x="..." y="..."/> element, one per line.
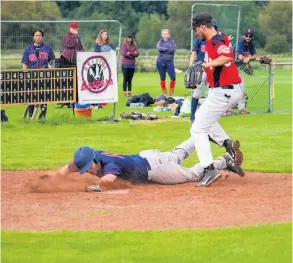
<point x="129" y="53"/>
<point x="71" y="45"/>
<point x="165" y="62"/>
<point x="37" y="55"/>
<point x="103" y="43"/>
<point x="245" y="53"/>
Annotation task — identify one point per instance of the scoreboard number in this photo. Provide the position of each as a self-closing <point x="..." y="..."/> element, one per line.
<point x="41" y="74"/>
<point x="37" y="86"/>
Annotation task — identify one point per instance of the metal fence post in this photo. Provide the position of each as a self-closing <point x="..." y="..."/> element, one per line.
<point x="270" y="87"/>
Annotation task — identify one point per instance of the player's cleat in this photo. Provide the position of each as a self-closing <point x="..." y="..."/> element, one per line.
<point x="210" y="175"/>
<point x="94" y="188"/>
<point x="232" y="166"/>
<point x="233" y="148"/>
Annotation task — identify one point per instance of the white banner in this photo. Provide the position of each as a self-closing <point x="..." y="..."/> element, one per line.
<point x="97" y="77"/>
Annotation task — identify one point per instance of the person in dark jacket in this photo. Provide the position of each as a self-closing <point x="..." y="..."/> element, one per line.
<point x="103" y="43"/>
<point x="71" y="45"/>
<point x="165" y="62"/>
<point x="129" y="53"/>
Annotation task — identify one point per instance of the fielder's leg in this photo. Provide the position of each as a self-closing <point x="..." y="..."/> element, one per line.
<point x="218" y="101"/>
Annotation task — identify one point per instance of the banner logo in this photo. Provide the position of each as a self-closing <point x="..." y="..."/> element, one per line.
<point x="96" y="74"/>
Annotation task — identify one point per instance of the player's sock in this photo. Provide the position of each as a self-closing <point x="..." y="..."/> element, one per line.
<point x="163" y="86"/>
<point x="172" y="87"/>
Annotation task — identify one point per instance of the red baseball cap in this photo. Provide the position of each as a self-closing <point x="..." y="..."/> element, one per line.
<point x="74" y="25"/>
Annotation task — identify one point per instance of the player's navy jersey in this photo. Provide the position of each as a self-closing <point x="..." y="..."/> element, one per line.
<point x="200" y="48"/>
<point x="245" y="49"/>
<point x="226" y="74"/>
<point x="133" y="168"/>
<point x="38" y="57"/>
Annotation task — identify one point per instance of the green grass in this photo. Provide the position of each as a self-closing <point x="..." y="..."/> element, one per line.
<point x="266" y="138"/>
<point x="261" y="244"/>
<point x="256" y="87"/>
<point x="266" y="141"/>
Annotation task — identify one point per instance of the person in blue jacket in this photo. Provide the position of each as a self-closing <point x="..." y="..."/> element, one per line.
<point x="103" y="43"/>
<point x="165" y="62"/>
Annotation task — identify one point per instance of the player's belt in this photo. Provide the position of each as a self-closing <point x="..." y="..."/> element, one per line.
<point x="227" y="87"/>
<point x="148" y="164"/>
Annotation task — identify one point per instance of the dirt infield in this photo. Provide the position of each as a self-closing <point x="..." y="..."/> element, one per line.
<point x="32" y="201"/>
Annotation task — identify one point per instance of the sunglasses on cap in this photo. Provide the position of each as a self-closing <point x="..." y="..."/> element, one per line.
<point x="249" y="36"/>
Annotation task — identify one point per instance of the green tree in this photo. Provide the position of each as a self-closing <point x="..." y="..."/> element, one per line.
<point x="179" y="22"/>
<point x="249" y="19"/>
<point x="151" y="7"/>
<point x="32" y="10"/>
<point x="149" y="30"/>
<point x="67" y="6"/>
<point x="17" y="35"/>
<point x="276" y="23"/>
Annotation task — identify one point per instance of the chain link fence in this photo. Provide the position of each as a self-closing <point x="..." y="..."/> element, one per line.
<point x="268" y="87"/>
<point x="226" y="16"/>
<point x="281" y="95"/>
<point x="16" y="36"/>
<point x="257" y="87"/>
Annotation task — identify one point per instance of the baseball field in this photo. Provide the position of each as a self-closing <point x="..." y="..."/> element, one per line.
<point x="237" y="219"/>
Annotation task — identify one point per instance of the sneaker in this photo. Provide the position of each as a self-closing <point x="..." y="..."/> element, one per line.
<point x="125" y="94"/>
<point x="233" y="148"/>
<point x="209" y="176"/>
<point x="232" y="166"/>
<point x="129" y="94"/>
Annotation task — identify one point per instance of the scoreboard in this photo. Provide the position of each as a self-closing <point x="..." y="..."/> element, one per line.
<point x="38" y="86"/>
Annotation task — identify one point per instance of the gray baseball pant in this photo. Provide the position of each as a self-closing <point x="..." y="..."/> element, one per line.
<point x="166" y="166"/>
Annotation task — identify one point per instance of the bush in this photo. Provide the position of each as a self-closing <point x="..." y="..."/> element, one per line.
<point x="277" y="44"/>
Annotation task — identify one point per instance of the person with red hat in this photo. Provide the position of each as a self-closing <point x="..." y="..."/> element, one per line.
<point x="71" y="45"/>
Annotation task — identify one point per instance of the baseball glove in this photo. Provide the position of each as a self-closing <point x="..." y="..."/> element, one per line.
<point x="265" y="60"/>
<point x="193" y="76"/>
<point x="248" y="69"/>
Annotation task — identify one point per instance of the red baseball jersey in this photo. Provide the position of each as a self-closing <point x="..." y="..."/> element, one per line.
<point x="226" y="74"/>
